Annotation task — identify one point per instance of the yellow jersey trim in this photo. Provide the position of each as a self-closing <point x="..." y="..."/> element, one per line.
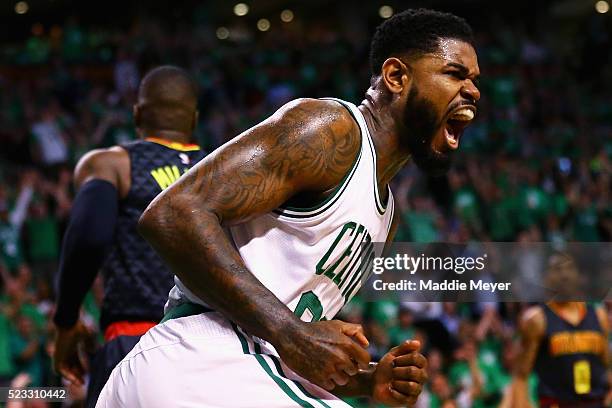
<point x="190" y="147"/>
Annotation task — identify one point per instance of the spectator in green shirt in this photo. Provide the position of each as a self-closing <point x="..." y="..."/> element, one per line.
<point x="11" y="222"/>
<point x="404" y="329"/>
<point x="43" y="239"/>
<point x="585" y="221"/>
<point x="7" y="368"/>
<point x="26" y="350"/>
<point x="499" y="213"/>
<point x="422" y="220"/>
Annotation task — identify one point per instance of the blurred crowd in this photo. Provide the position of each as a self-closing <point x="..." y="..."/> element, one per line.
<point x="535" y="166"/>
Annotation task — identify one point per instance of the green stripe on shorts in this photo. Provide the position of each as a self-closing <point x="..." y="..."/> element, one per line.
<point x="279" y="368"/>
<point x="278" y="380"/>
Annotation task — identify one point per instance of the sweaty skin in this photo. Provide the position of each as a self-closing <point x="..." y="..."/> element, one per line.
<point x="112" y="165"/>
<point x="307" y="146"/>
<point x="301" y="153"/>
<point x="441" y="82"/>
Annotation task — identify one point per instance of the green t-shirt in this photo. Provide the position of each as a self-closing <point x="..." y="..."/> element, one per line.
<point x="398" y="335"/>
<point x="37" y="50"/>
<point x="422" y="226"/>
<point x="355" y="305"/>
<point x="559" y="204"/>
<point x="434" y="401"/>
<point x="500" y="220"/>
<point x="488" y="365"/>
<point x="461" y="378"/>
<point x="494" y="376"/>
<point x="466" y="206"/>
<point x="91" y="307"/>
<point x="28" y="309"/>
<point x="497" y="381"/>
<point x="384" y="312"/>
<point x="73" y="43"/>
<point x="534" y="206"/>
<point x="585" y="225"/>
<point x="34" y="314"/>
<point x="44" y="238"/>
<point x="33" y="366"/>
<point x="7" y="368"/>
<point x="503" y="91"/>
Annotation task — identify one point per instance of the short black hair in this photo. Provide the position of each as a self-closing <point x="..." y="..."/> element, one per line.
<point x="169" y="83"/>
<point x="414" y="32"/>
<point x="167" y="99"/>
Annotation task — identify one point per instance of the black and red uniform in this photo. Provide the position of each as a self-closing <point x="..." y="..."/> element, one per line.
<point x="102" y="234"/>
<point x="570" y="362"/>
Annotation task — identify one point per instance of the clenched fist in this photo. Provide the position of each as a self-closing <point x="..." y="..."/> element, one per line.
<point x="400" y="375"/>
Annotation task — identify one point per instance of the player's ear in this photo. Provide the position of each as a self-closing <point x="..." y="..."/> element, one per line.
<point x="396" y="75"/>
<point x="136" y="114"/>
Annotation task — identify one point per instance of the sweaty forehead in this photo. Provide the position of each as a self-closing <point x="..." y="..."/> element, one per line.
<point x="451" y="50"/>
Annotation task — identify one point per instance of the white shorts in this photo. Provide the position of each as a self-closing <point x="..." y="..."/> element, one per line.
<point x="205" y="360"/>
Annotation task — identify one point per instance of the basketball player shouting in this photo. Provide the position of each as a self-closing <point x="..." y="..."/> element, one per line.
<point x="265" y="238"/>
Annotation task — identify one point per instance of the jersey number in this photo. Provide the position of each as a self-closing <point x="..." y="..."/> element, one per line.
<point x="309" y="304"/>
<point x="350" y="240"/>
<point x="582" y="377"/>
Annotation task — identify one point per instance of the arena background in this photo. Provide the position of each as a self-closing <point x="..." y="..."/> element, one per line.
<point x="536" y="165"/>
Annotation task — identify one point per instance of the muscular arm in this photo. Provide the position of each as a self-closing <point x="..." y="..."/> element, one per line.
<point x="532" y="327"/>
<point x="305" y="147"/>
<point x="100" y="179"/>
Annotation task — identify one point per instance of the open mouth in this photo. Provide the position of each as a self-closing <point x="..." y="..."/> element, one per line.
<point x="456" y="124"/>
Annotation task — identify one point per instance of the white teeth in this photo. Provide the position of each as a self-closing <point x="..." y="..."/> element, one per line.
<point x="464" y="114"/>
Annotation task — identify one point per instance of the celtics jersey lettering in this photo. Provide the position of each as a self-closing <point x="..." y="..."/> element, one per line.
<point x="314" y="259"/>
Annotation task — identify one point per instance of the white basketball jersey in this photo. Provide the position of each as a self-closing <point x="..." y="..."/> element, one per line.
<point x="315" y="259"/>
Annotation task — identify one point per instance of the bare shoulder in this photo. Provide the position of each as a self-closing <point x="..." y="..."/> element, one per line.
<point x="306" y="147"/>
<point x="327" y="129"/>
<point x="532" y="322"/>
<point x="110" y="164"/>
<point x="310" y="143"/>
<point x="317" y="112"/>
<point x="103" y="157"/>
<point x="319" y="122"/>
<point x="323" y="131"/>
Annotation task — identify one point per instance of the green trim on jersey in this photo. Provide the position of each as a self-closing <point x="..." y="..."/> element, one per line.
<point x="379" y="204"/>
<point x="295" y="212"/>
<point x="281" y="379"/>
<point x="299" y="212"/>
<point x="183" y="310"/>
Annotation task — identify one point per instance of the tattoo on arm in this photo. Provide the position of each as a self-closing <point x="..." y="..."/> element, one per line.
<point x="306" y="146"/>
<point x="298" y="149"/>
